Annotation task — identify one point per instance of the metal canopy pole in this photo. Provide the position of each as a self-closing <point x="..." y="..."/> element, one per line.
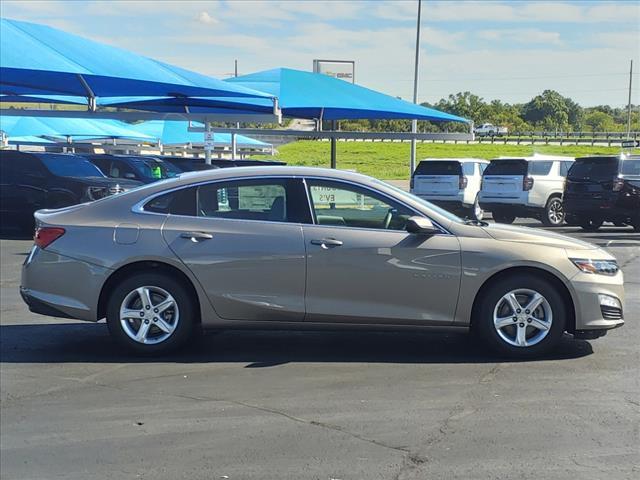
<point x="234" y="146"/>
<point x="207" y="151"/>
<point x="414" y="123"/>
<point x="334" y="146"/>
<point x="629" y="103"/>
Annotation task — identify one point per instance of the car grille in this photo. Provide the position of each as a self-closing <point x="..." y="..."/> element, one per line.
<point x="611" y="313"/>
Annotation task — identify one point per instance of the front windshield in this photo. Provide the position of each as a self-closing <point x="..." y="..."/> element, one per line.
<point x="70" y="166"/>
<point x="439" y="210"/>
<point x="156" y="169"/>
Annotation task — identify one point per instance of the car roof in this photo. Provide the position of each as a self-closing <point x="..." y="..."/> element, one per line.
<point x="537" y="158"/>
<point x="461" y="160"/>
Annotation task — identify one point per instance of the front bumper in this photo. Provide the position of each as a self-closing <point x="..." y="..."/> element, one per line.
<point x="590" y="314"/>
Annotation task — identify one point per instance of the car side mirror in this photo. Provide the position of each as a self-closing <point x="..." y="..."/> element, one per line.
<point x="420" y="226"/>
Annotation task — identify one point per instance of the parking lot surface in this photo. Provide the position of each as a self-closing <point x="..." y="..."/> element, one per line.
<point x="292" y="405"/>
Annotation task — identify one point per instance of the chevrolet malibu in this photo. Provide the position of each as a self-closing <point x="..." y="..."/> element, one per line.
<point x="290" y="247"/>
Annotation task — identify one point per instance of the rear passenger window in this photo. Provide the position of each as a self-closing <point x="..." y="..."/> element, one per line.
<point x="467" y="168"/>
<point x="180" y="202"/>
<point x="540" y="168"/>
<point x="564" y="168"/>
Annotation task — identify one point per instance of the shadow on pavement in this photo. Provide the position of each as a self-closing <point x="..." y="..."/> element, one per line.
<point x="90" y="343"/>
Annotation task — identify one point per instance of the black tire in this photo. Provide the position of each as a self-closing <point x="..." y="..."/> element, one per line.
<point x="187" y="319"/>
<point x="590" y="224"/>
<point x="571" y="220"/>
<point x="483" y="323"/>
<point x="553" y="214"/>
<point x="502" y="216"/>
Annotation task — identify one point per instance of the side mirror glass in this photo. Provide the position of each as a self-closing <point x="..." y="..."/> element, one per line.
<point x="420" y="226"/>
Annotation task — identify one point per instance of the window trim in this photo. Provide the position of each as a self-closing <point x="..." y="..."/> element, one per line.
<point x="138" y="207"/>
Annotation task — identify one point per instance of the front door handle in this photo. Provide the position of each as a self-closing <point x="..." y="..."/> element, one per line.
<point x="196" y="236"/>
<point x="327" y="243"/>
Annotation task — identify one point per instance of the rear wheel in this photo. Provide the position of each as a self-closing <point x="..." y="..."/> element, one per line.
<point x="590" y="224"/>
<point x="476" y="212"/>
<point x="151" y="313"/>
<point x="521" y="316"/>
<point x="553" y="215"/>
<point x="502" y="216"/>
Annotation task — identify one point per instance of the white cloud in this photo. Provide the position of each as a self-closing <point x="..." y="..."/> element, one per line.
<point x="204" y="17"/>
<point x="526" y="36"/>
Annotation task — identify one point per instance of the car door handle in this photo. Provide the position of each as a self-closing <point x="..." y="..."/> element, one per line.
<point x="196" y="236"/>
<point x="327" y="242"/>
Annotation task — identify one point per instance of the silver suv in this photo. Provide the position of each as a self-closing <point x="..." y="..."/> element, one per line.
<point x="525" y="187"/>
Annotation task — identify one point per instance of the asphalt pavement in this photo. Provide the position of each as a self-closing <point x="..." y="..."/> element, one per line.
<point x="291" y="405"/>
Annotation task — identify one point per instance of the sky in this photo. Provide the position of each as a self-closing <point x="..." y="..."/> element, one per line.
<point x="503" y="50"/>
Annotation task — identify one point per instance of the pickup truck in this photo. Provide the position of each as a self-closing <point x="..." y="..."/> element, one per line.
<point x="490" y="130"/>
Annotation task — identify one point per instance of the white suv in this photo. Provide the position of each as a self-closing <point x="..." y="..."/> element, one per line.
<point x="452" y="183"/>
<point x="525" y="187"/>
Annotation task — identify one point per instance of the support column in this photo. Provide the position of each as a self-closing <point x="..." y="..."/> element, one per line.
<point x="207" y="151"/>
<point x="334" y="146"/>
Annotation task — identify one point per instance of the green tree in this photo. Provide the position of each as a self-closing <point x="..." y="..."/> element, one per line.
<point x="548" y="110"/>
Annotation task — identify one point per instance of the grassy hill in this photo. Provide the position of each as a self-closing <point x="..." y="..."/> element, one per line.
<point x="386" y="160"/>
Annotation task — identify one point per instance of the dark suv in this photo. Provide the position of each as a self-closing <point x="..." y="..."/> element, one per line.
<point x="603" y="189"/>
<point x="143" y="168"/>
<point x="31" y="181"/>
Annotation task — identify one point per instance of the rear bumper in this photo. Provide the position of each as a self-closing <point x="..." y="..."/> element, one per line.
<point x="73" y="294"/>
<point x="520" y="200"/>
<point x="453" y="201"/>
<point x="605" y="208"/>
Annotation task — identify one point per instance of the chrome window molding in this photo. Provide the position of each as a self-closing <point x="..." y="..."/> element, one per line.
<point x="138" y="207"/>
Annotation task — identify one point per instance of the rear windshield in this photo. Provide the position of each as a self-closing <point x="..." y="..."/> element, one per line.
<point x="630" y="167"/>
<point x="438" y="167"/>
<point x="70" y="166"/>
<point x="506" y="167"/>
<point x="597" y="167"/>
<point x="155" y="168"/>
<point x="540" y="168"/>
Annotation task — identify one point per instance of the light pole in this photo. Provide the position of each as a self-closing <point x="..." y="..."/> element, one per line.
<point x="414" y="123"/>
<point x="629" y="103"/>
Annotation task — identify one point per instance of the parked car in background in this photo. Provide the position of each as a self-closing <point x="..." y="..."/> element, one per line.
<point x="528" y="187"/>
<point x="490" y="130"/>
<point x="603" y="189"/>
<point x="186" y="164"/>
<point x="31" y="181"/>
<point x="143" y="168"/>
<point x="452" y="183"/>
<point x="192" y="163"/>
<point x="294" y="247"/>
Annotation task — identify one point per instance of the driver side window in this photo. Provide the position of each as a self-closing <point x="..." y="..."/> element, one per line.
<point x="339" y="204"/>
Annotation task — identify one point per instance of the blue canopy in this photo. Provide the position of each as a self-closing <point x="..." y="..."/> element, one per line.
<point x="68" y="127"/>
<point x="40" y="60"/>
<point x="171" y="132"/>
<point x="313" y="95"/>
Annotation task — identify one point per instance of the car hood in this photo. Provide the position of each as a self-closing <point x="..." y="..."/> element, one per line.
<point x="509" y="233"/>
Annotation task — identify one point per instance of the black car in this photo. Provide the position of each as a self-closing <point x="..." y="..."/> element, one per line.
<point x="143" y="168"/>
<point x="192" y="164"/>
<point x="603" y="189"/>
<point x="31" y="181"/>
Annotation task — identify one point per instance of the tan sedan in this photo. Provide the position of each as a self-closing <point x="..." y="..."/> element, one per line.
<point x="289" y="247"/>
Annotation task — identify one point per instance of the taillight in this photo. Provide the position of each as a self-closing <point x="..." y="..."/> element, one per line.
<point x="45" y="236"/>
<point x="618" y="184"/>
<point x="527" y="183"/>
<point x="462" y="182"/>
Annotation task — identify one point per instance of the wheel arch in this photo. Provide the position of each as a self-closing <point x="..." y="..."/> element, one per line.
<point x="539" y="272"/>
<point x="146" y="266"/>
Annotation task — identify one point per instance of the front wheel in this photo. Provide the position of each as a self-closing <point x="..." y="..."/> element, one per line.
<point x="553" y="215"/>
<point x="503" y="217"/>
<point x="151" y="313"/>
<point x="521" y="316"/>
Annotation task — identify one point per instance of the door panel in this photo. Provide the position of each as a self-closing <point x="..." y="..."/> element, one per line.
<point x="378" y="276"/>
<point x="250" y="270"/>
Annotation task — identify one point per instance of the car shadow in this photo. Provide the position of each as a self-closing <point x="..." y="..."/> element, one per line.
<point x="91" y="343"/>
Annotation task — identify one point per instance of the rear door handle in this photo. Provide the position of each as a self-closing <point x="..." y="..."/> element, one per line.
<point x="327" y="242"/>
<point x="196" y="236"/>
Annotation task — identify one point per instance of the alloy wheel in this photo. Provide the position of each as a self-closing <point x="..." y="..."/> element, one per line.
<point x="522" y="317"/>
<point x="149" y="315"/>
<point x="555" y="212"/>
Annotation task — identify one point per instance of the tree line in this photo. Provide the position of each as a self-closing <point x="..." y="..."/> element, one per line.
<point x="549" y="112"/>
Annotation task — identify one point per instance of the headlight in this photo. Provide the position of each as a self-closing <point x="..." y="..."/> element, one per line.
<point x="600" y="267"/>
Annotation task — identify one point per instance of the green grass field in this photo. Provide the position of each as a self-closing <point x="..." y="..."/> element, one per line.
<point x="388" y="161"/>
